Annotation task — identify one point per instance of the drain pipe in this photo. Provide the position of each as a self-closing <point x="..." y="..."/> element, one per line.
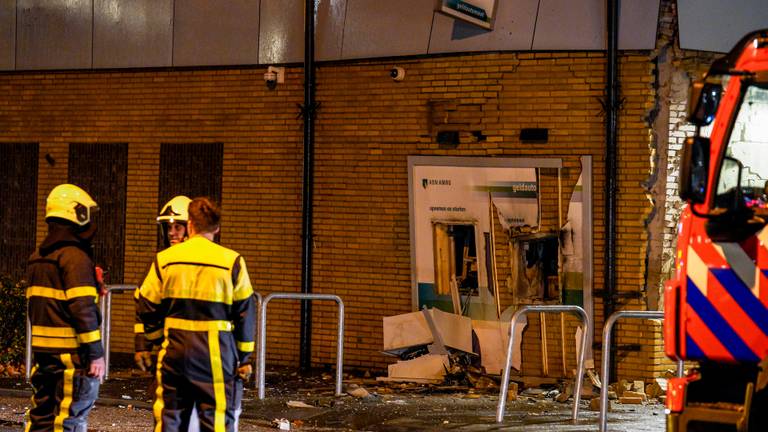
<point x="612" y="87"/>
<point x="308" y="113"/>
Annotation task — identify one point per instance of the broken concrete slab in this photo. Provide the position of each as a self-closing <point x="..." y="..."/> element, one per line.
<point x="430" y="366"/>
<point x="412" y="329"/>
<point x="493" y="337"/>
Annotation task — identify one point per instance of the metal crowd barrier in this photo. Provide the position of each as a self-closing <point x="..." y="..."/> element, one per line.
<point x="576" y="310"/>
<point x="28" y="353"/>
<point x="256" y="338"/>
<point x="261" y="366"/>
<point x="607" y="330"/>
<point x="106" y="320"/>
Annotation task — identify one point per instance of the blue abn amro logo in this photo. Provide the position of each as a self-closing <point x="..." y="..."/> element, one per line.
<point x="435" y="182"/>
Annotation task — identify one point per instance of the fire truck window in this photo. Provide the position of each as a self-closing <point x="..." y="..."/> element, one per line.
<point x="748" y="144"/>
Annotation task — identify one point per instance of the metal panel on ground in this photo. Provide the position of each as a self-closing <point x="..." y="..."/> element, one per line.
<point x="375" y="28"/>
<point x="53" y="34"/>
<point x="513" y="30"/>
<point x="136" y="33"/>
<point x="7" y="34"/>
<point x="331" y="15"/>
<point x="717" y="25"/>
<point x="570" y="25"/>
<point x="281" y="34"/>
<point x="214" y="33"/>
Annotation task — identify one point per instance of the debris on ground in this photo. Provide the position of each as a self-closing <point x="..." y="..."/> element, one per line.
<point x="355" y="390"/>
<point x="282" y="424"/>
<point x="299" y="404"/>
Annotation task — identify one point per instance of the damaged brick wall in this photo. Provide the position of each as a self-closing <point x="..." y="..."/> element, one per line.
<point x="367" y="126"/>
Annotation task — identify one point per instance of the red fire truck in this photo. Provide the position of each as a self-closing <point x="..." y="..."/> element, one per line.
<point x="716" y="306"/>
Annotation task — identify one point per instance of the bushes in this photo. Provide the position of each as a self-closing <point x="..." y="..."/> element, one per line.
<point x="13" y="316"/>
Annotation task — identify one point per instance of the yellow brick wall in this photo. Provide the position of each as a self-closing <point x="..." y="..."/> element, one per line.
<point x="367" y="126"/>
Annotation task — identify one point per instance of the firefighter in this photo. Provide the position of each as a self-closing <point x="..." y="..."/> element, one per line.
<point x="64" y="317"/>
<point x="198" y="300"/>
<point x="173" y="226"/>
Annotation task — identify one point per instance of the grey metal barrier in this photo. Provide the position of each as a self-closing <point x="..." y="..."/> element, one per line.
<point x="607" y="331"/>
<point x="259" y="302"/>
<point x="261" y="365"/>
<point x="28" y="353"/>
<point x="106" y="321"/>
<point x="575" y="310"/>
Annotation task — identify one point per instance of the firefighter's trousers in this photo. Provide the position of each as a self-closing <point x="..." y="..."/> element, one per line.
<point x="177" y="395"/>
<point x="194" y="425"/>
<point x="63" y="394"/>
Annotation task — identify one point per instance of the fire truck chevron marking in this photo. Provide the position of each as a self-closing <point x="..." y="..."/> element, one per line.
<point x="712" y="319"/>
<point x="741" y="263"/>
<point x="705" y="342"/>
<point x="726" y="298"/>
<point x="691" y="349"/>
<point x="744" y="298"/>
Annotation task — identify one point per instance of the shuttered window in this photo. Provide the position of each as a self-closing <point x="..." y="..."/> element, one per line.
<point x="18" y="202"/>
<point x="101" y="169"/>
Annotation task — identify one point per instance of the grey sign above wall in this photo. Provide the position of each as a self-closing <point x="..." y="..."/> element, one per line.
<point x="96" y="34"/>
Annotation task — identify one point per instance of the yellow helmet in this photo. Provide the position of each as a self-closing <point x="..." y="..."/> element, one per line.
<point x="175" y="210"/>
<point x="69" y="202"/>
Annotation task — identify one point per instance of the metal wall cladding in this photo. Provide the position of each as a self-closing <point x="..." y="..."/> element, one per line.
<point x="717" y="25"/>
<point x="638" y="20"/>
<point x="7" y="34"/>
<point x="53" y="34"/>
<point x="376" y="28"/>
<point x="513" y="30"/>
<point x="331" y="16"/>
<point x="84" y="34"/>
<point x="210" y="33"/>
<point x="135" y="33"/>
<point x="570" y="25"/>
<point x="281" y="37"/>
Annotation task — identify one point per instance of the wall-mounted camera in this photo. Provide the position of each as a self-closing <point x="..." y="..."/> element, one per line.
<point x="397" y="73"/>
<point x="273" y="76"/>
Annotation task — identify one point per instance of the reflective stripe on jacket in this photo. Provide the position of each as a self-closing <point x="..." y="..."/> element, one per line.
<point x="62" y="299"/>
<point x="197" y="298"/>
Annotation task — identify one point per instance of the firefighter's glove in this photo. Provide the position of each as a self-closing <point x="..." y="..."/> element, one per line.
<point x="244" y="371"/>
<point x="143" y="360"/>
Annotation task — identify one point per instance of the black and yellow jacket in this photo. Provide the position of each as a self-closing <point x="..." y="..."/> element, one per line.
<point x="62" y="296"/>
<point x="198" y="300"/>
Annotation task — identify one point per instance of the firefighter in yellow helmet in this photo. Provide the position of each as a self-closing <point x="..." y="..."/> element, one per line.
<point x="173" y="220"/>
<point x="173" y="225"/>
<point x="64" y="317"/>
<point x="198" y="300"/>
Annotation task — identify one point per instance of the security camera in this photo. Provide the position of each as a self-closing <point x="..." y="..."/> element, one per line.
<point x="271" y="79"/>
<point x="397" y="73"/>
<point x="274" y="76"/>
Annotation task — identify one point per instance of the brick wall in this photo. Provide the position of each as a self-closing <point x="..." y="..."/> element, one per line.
<point x="367" y="126"/>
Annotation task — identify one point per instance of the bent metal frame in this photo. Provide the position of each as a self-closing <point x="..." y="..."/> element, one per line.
<point x="606" y="370"/>
<point x="575" y="310"/>
<point x="262" y="331"/>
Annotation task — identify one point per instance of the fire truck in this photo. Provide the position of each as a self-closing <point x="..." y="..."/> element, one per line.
<point x="716" y="304"/>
